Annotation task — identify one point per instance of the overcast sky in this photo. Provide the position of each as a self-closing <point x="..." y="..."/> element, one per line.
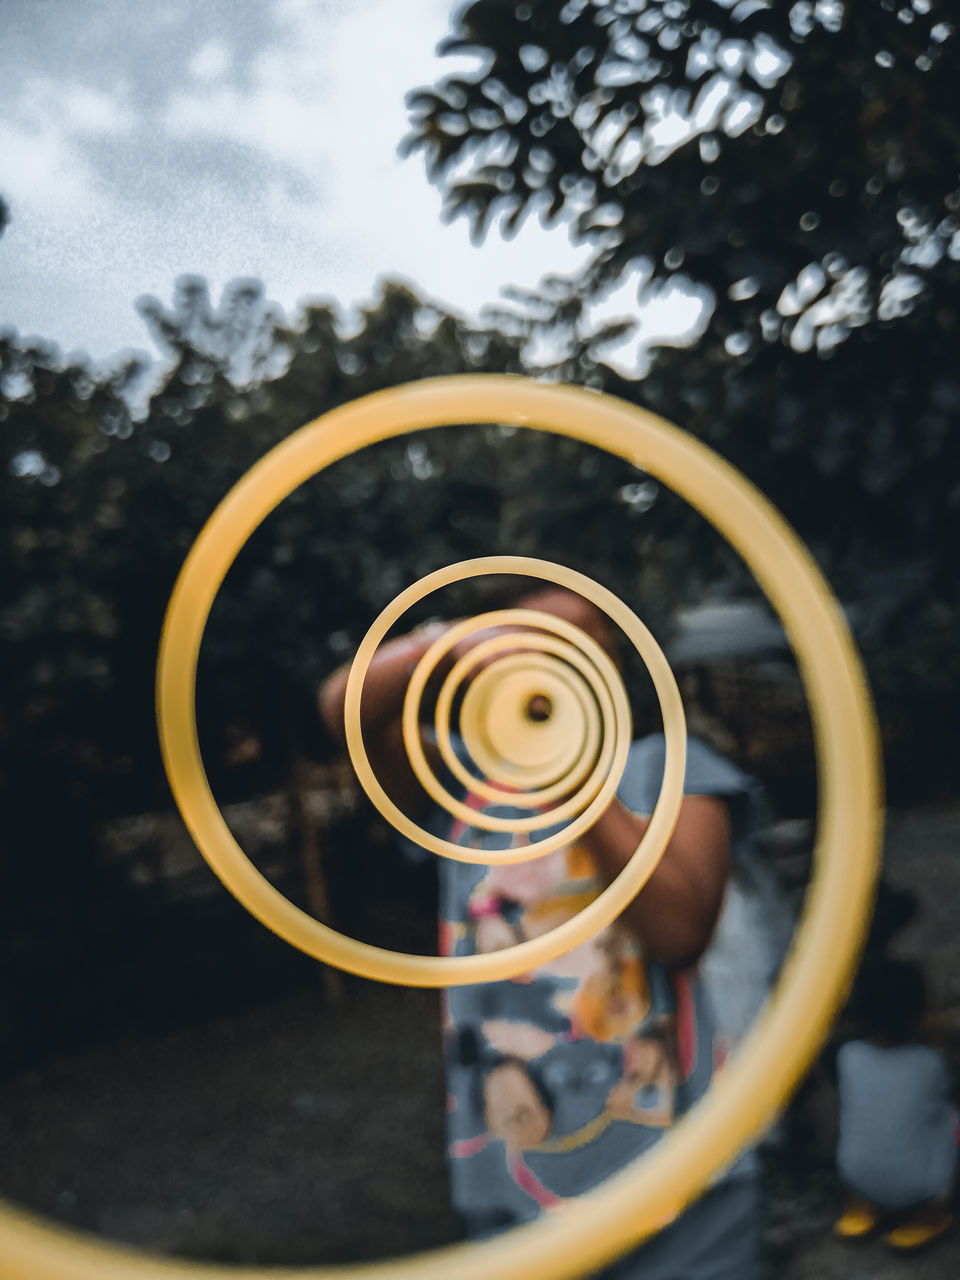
<point x="142" y="141"/>
<point x="227" y="138"/>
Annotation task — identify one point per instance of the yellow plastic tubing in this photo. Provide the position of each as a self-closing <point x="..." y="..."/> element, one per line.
<point x="390" y="966"/>
<point x="594" y="1228"/>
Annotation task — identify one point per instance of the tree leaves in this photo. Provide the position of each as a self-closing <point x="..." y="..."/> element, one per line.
<point x="795" y="169"/>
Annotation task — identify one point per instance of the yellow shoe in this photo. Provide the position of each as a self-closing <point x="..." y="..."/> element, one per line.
<point x="925" y="1225"/>
<point x="859" y="1219"/>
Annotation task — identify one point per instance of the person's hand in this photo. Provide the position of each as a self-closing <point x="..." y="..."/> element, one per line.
<point x="416" y="642"/>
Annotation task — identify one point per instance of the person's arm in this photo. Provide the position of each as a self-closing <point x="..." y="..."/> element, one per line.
<point x="676" y="910"/>
<point x="381" y="707"/>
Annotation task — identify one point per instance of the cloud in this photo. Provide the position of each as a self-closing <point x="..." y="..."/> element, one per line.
<point x="263" y="143"/>
<point x="72" y="106"/>
<point x="47" y="178"/>
<point x="91" y="111"/>
<point x="275" y="122"/>
<point x="44" y="171"/>
<point x="211" y="61"/>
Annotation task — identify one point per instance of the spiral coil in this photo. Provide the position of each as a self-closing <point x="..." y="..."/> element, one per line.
<point x="593" y="1229"/>
<point x="565" y="765"/>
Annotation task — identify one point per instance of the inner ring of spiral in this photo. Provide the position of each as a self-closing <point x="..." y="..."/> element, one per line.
<point x="568" y="773"/>
<point x="572" y="807"/>
<point x="522" y="749"/>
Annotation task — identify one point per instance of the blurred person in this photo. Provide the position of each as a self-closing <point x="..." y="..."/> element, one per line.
<point x="562" y="1076"/>
<point x="896" y="1151"/>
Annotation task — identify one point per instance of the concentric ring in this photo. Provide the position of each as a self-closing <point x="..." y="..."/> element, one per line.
<point x="577" y="753"/>
<point x="583" y="652"/>
<point x="671" y="794"/>
<point x="484" y="726"/>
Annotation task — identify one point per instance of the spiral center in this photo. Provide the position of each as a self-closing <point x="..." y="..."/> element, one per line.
<point x="539" y="708"/>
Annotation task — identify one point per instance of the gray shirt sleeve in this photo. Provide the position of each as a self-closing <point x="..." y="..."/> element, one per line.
<point x="707" y="774"/>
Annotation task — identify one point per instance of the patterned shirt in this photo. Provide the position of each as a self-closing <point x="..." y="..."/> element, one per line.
<point x="560" y="1077"/>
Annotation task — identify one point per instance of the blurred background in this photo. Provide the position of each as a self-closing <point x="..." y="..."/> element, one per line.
<point x="221" y="220"/>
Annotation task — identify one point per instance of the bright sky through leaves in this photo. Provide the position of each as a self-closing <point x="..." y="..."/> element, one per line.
<point x="229" y="138"/>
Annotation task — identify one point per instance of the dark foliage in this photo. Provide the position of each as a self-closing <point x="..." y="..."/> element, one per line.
<point x="102" y="500"/>
<point x="798" y="169"/>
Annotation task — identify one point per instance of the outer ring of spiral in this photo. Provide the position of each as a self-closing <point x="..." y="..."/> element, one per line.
<point x="598" y="1226"/>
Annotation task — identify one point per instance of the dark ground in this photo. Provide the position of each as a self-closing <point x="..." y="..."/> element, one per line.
<point x="289" y="1133"/>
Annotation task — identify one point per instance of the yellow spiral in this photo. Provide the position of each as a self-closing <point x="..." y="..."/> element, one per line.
<point x="566" y="765"/>
<point x="593" y="1229"/>
<point x="576" y="750"/>
<point x="497" y="702"/>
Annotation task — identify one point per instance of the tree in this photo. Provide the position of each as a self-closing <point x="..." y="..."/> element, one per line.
<point x="796" y="168"/>
<point x="102" y="501"/>
<point x="56" y="624"/>
<point x="106" y="485"/>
